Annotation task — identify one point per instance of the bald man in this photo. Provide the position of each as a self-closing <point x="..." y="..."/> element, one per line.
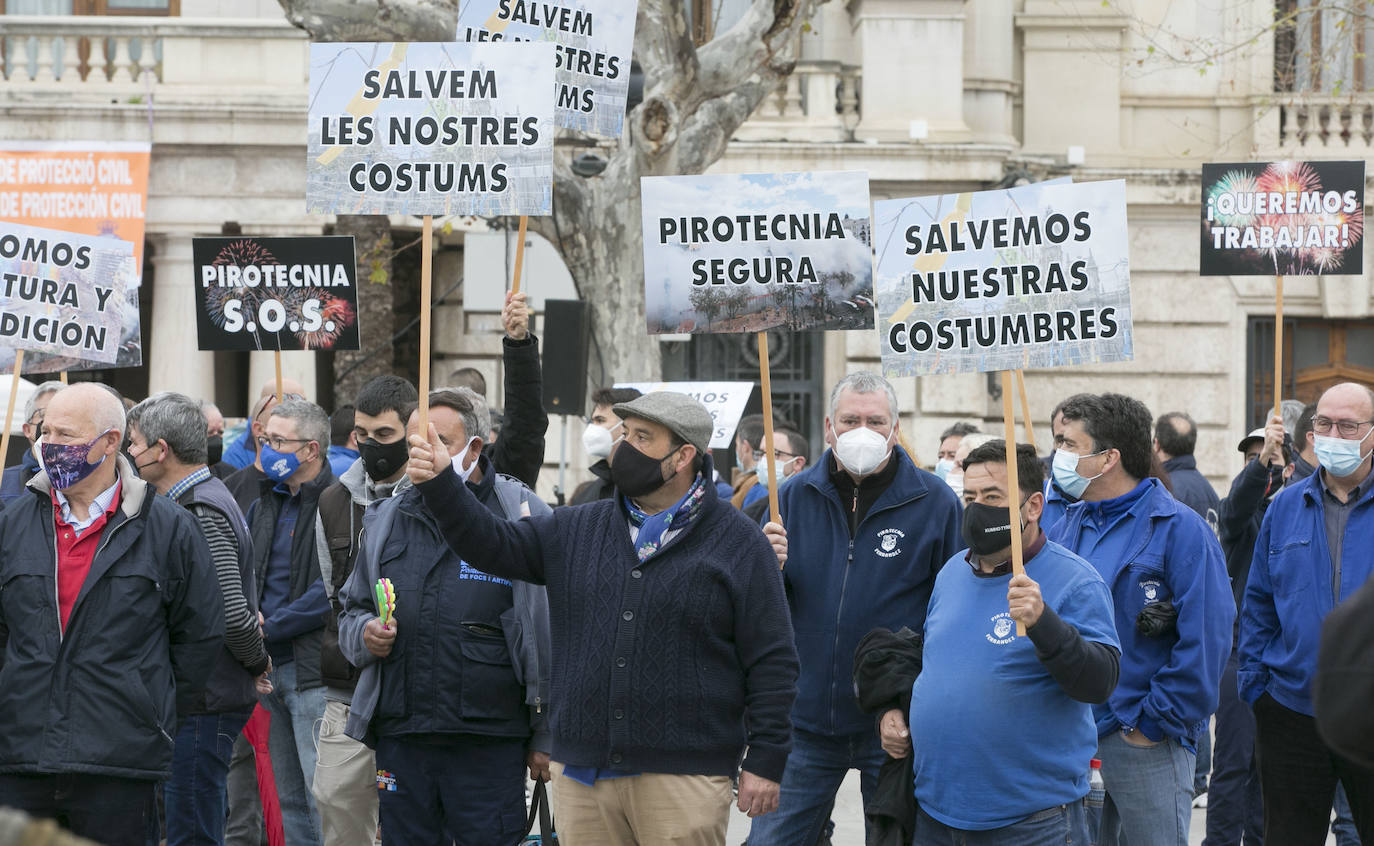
<point x="110" y="621"/>
<point x="1312" y="553"/>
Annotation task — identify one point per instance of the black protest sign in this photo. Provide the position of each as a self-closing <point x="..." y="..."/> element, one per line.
<point x="1285" y="218"/>
<point x="276" y="293"/>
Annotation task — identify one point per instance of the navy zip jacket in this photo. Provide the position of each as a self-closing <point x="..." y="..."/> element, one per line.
<point x="1192" y="488"/>
<point x="1291" y="590"/>
<point x="676" y="665"/>
<point x="103" y="697"/>
<point x="841" y="588"/>
<point x="1149" y="548"/>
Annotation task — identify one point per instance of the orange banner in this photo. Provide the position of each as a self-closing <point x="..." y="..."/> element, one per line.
<point x="95" y="188"/>
<point x="87" y="187"/>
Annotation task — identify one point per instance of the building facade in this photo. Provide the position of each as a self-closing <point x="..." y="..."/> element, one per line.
<point x="927" y="96"/>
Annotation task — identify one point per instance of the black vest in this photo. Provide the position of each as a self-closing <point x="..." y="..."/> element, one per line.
<point x="342" y="519"/>
<point x="230" y="687"/>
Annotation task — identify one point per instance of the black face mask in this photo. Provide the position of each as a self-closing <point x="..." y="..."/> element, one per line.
<point x="636" y="474"/>
<point x="987" y="528"/>
<point x="214" y="450"/>
<point x="381" y="461"/>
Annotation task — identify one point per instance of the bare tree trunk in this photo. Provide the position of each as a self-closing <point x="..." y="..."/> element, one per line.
<point x="694" y="100"/>
<point x="376" y="323"/>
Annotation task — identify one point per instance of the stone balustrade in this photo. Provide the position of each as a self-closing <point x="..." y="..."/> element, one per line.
<point x="90" y="56"/>
<point x="1328" y="125"/>
<point x="817" y="102"/>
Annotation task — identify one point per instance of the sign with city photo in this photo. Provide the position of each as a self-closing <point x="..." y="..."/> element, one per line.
<point x="749" y="252"/>
<point x="95" y="188"/>
<point x="1286" y="218"/>
<point x="1029" y="277"/>
<point x="593" y="39"/>
<point x="62" y="293"/>
<point x="275" y="293"/>
<point x="430" y="128"/>
<point x="725" y="401"/>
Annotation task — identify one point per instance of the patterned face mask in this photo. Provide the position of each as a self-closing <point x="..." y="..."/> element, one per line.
<point x="66" y="464"/>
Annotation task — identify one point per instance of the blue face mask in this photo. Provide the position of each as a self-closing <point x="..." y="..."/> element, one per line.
<point x="942" y="468"/>
<point x="1339" y="456"/>
<point x="761" y="470"/>
<point x="1066" y="475"/>
<point x="278" y="466"/>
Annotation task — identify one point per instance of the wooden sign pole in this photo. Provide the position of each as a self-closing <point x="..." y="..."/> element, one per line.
<point x="276" y="360"/>
<point x="766" y="383"/>
<point x="519" y="255"/>
<point x="1025" y="408"/>
<point x="63" y="376"/>
<point x="1018" y="565"/>
<point x="426" y="271"/>
<point x="9" y="407"/>
<point x="1278" y="345"/>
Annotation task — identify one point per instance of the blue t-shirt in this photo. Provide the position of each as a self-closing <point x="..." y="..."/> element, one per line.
<point x="995" y="738"/>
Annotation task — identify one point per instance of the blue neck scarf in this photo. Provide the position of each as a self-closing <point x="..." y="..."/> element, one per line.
<point x="654" y="527"/>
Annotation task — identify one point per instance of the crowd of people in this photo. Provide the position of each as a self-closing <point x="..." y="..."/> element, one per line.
<point x="660" y="648"/>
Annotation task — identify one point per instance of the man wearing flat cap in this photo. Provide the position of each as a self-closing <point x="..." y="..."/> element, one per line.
<point x="672" y="652"/>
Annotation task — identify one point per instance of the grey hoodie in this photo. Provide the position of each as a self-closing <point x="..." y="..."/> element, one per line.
<point x="364" y="492"/>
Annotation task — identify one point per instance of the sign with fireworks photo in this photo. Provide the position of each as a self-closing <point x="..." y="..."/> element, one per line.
<point x="1283" y="219"/>
<point x="276" y="293"/>
<point x="754" y="251"/>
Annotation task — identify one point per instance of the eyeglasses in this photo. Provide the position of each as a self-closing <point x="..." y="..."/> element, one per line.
<point x="278" y="442"/>
<point x="1347" y="428"/>
<point x="37" y="418"/>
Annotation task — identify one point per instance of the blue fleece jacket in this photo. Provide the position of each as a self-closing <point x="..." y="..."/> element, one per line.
<point x="1056" y="503"/>
<point x="842" y="588"/>
<point x="1149" y="548"/>
<point x="1290" y="591"/>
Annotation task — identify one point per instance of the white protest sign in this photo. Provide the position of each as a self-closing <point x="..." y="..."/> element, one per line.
<point x="62" y="293"/>
<point x="744" y="252"/>
<point x="1030" y="277"/>
<point x="430" y="129"/>
<point x="594" y="39"/>
<point x="725" y="401"/>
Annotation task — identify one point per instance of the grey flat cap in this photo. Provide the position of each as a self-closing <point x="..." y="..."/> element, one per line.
<point x="684" y="416"/>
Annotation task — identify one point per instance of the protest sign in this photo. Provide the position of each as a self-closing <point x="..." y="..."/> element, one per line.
<point x="97" y="188"/>
<point x="61" y="293"/>
<point x="276" y="293"/>
<point x="430" y="129"/>
<point x="1035" y="276"/>
<point x="593" y="39"/>
<point x="775" y="250"/>
<point x="1285" y="218"/>
<point x="725" y="401"/>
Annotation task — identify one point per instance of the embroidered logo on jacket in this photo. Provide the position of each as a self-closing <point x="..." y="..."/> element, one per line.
<point x="1151" y="589"/>
<point x="887" y="543"/>
<point x="1001" y="629"/>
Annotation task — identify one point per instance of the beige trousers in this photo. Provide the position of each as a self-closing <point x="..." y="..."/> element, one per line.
<point x="345" y="785"/>
<point x="653" y="809"/>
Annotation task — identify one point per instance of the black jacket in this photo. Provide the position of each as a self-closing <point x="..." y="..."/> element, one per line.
<point x="885" y="667"/>
<point x="305" y="566"/>
<point x="1241" y="514"/>
<point x="519" y="451"/>
<point x="600" y="487"/>
<point x="1344" y="685"/>
<point x="103" y="696"/>
<point x="1192" y="488"/>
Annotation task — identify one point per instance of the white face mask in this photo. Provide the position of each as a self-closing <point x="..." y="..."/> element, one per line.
<point x="458" y="461"/>
<point x="861" y="449"/>
<point x="597" y="441"/>
<point x="956" y="484"/>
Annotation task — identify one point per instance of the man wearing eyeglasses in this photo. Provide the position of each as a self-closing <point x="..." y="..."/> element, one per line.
<point x="293" y="601"/>
<point x="1313" y="551"/>
<point x="16" y="477"/>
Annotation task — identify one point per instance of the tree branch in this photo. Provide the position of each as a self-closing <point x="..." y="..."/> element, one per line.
<point x="374" y="20"/>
